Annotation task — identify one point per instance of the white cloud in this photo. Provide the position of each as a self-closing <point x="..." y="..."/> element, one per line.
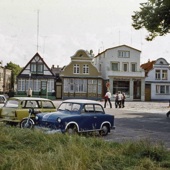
<point x="66" y="26"/>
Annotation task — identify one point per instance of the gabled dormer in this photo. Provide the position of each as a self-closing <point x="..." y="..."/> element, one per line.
<point x="36" y="67"/>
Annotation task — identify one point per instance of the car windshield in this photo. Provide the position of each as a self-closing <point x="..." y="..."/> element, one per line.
<point x="12" y="103"/>
<point x="69" y="107"/>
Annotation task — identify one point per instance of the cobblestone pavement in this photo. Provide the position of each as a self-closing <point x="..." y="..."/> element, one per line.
<point x="140" y="120"/>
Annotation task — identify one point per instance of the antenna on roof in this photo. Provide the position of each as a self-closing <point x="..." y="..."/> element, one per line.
<point x="37" y="28"/>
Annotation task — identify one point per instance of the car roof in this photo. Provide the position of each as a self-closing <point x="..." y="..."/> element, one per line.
<point x="82" y="101"/>
<point x="29" y="98"/>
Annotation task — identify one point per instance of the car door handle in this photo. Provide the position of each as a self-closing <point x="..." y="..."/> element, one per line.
<point x="95" y="117"/>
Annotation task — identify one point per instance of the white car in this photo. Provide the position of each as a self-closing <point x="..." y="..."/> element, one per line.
<point x="3" y="100"/>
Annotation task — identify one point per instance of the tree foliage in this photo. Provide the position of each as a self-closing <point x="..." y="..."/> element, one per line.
<point x="154" y="15"/>
<point x="15" y="71"/>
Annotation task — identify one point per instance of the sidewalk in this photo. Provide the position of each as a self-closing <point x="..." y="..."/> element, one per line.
<point x="138" y="106"/>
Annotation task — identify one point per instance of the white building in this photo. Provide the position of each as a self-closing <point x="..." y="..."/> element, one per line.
<point x="120" y="66"/>
<point x="157" y="81"/>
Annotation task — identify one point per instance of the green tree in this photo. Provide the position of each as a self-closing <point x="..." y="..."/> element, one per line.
<point x="15" y="71"/>
<point x="154" y="15"/>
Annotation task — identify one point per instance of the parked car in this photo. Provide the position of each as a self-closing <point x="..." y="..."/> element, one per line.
<point x="3" y="100"/>
<point x="77" y="116"/>
<point x="16" y="108"/>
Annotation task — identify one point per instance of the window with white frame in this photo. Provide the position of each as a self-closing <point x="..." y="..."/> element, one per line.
<point x="158" y="74"/>
<point x="80" y="85"/>
<point x="99" y="86"/>
<point x="123" y="54"/>
<point x="33" y="67"/>
<point x="66" y="85"/>
<point x="75" y="85"/>
<point x="76" y="69"/>
<point x="92" y="86"/>
<point x="21" y="85"/>
<point x="162" y="89"/>
<point x="40" y="68"/>
<point x="133" y="67"/>
<point x="37" y="85"/>
<point x="71" y="84"/>
<point x="164" y="75"/>
<point x="85" y="69"/>
<point x="125" y="67"/>
<point x="36" y="67"/>
<point x="115" y="66"/>
<point x="50" y="85"/>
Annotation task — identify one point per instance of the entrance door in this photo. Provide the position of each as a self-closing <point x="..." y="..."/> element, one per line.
<point x="58" y="90"/>
<point x="137" y="90"/>
<point x="43" y="87"/>
<point x="147" y="92"/>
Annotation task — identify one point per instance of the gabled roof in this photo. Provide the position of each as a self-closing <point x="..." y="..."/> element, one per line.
<point x="116" y="47"/>
<point x="148" y="66"/>
<point x="40" y="58"/>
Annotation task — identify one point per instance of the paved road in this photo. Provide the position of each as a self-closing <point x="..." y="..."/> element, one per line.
<point x="140" y="120"/>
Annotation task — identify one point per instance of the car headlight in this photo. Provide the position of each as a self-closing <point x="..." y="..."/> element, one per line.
<point x="59" y="120"/>
<point x="36" y="117"/>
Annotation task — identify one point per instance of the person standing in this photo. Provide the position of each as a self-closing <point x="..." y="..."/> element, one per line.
<point x="123" y="99"/>
<point x="116" y="100"/>
<point x="107" y="98"/>
<point x="120" y="96"/>
<point x="29" y="92"/>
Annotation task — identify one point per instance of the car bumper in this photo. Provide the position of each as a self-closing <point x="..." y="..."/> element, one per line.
<point x="48" y="130"/>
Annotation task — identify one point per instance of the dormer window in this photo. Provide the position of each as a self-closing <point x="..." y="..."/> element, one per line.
<point x="124" y="54"/>
<point x="161" y="62"/>
<point x="85" y="69"/>
<point x="76" y="69"/>
<point x="36" y="68"/>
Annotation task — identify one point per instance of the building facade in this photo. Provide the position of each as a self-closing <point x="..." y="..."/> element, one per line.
<point x="37" y="76"/>
<point x="120" y="67"/>
<point x="80" y="78"/>
<point x="157" y="81"/>
<point x="5" y="80"/>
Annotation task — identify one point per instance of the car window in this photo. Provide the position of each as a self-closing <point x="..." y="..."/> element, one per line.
<point x="69" y="107"/>
<point x="12" y="103"/>
<point x="28" y="104"/>
<point x="47" y="104"/>
<point x="98" y="108"/>
<point x="88" y="108"/>
<point x="75" y="107"/>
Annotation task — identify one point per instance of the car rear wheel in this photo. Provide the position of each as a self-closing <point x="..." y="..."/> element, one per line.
<point x="72" y="130"/>
<point x="26" y="124"/>
<point x="168" y="113"/>
<point x="104" y="131"/>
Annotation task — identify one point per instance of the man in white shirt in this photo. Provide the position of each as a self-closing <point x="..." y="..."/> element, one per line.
<point x="107" y="98"/>
<point x="120" y="96"/>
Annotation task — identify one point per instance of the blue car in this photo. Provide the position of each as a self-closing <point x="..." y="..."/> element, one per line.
<point x="77" y="116"/>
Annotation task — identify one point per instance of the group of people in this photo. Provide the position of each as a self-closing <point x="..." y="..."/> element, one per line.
<point x="119" y="99"/>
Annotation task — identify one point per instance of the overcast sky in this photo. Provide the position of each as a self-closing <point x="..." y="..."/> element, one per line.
<point x="65" y="26"/>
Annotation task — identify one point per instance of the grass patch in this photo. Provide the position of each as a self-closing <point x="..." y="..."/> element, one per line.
<point x="22" y="149"/>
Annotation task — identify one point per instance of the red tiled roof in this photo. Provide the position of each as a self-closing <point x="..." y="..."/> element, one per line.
<point x="148" y="66"/>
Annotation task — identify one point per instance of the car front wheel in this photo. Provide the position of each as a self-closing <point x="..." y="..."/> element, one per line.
<point x="104" y="131"/>
<point x="71" y="130"/>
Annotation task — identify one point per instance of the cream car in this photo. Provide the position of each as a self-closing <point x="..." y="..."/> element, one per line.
<point x="17" y="108"/>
